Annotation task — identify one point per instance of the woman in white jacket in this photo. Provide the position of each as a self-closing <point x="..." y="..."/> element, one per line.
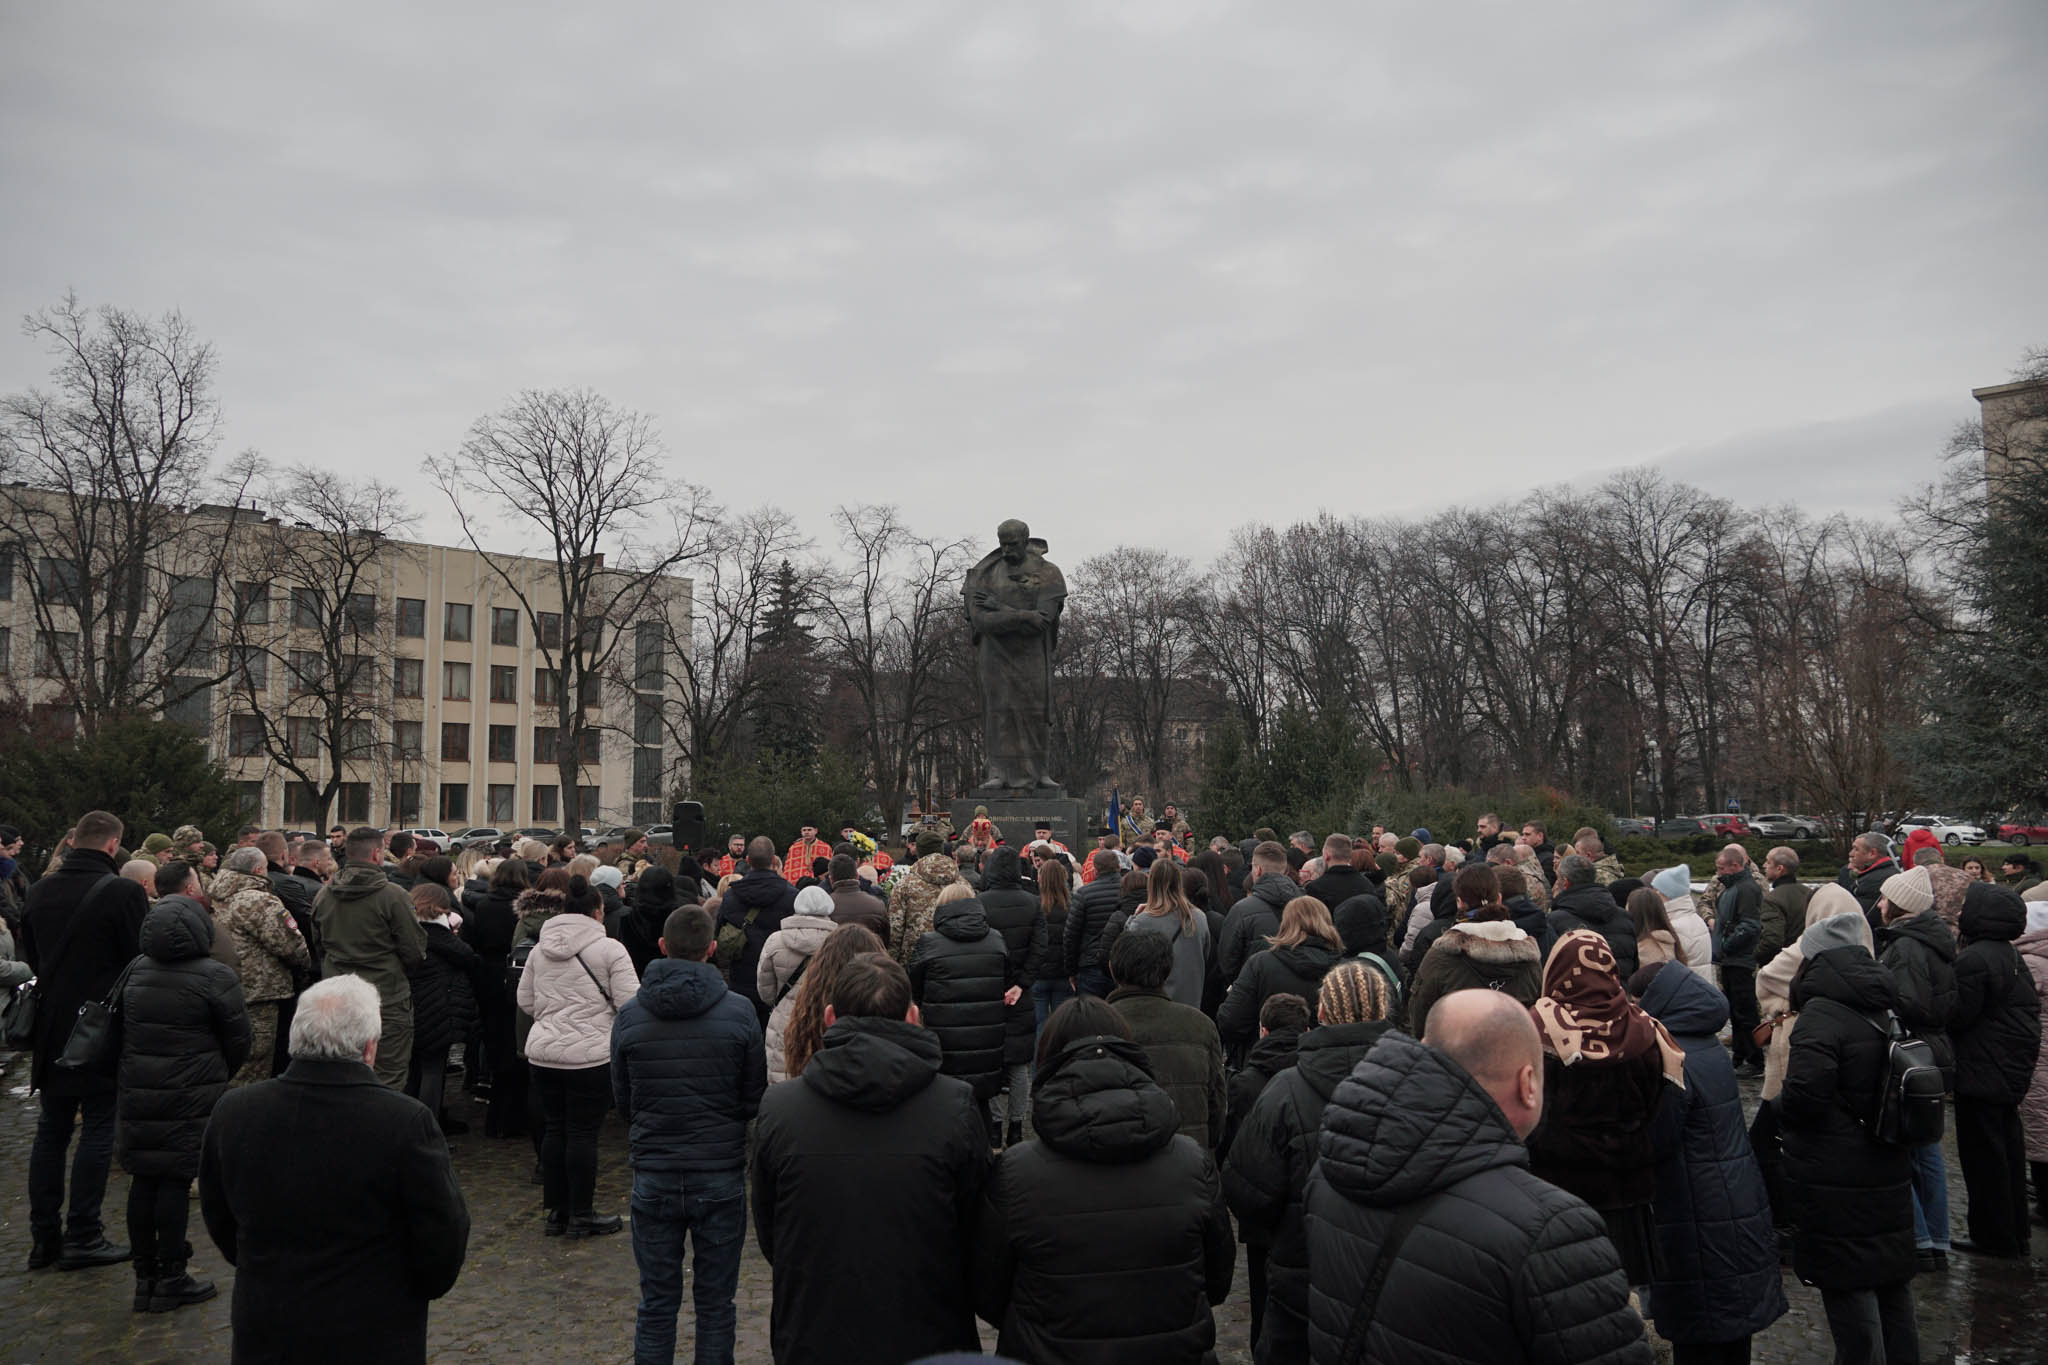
<point x="1695" y="938"/>
<point x="574" y="982"/>
<point x="783" y="956"/>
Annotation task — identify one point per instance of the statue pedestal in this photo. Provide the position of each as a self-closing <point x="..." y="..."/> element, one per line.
<point x="1073" y="824"/>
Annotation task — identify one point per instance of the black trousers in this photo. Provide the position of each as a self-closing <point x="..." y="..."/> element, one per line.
<point x="1767" y="1143"/>
<point x="427" y="1082"/>
<point x="574" y="1103"/>
<point x="1739" y="985"/>
<point x="1992" y="1147"/>
<point x="1873" y="1326"/>
<point x="2041" y="1187"/>
<point x="158" y="1211"/>
<point x="1710" y="1352"/>
<point x="1255" y="1267"/>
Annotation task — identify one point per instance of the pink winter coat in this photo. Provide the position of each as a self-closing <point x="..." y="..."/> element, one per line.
<point x="2033" y="946"/>
<point x="573" y="985"/>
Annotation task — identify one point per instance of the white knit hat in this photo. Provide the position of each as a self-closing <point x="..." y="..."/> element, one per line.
<point x="1910" y="892"/>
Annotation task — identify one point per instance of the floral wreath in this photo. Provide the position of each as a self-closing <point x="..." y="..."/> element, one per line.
<point x="862" y="844"/>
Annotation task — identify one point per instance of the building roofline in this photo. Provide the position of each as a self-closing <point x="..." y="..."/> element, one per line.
<point x="2001" y="390"/>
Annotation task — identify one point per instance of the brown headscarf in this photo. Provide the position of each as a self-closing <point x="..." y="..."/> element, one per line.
<point x="1586" y="1018"/>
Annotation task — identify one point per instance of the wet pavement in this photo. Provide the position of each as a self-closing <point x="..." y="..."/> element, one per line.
<point x="523" y="1297"/>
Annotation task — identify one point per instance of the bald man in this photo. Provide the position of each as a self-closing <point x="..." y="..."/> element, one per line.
<point x="1423" y="1143"/>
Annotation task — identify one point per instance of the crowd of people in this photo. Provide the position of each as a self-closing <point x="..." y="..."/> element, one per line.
<point x="1472" y="1099"/>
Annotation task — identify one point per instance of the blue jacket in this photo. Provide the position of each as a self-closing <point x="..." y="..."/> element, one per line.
<point x="1721" y="1280"/>
<point x="688" y="1069"/>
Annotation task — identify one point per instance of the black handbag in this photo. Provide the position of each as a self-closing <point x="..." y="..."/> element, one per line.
<point x="18" y="1016"/>
<point x="95" y="1041"/>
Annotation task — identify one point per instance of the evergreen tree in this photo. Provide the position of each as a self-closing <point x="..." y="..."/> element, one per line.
<point x="786" y="662"/>
<point x="155" y="776"/>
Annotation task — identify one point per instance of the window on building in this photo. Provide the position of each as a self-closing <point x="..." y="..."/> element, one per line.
<point x="551" y="630"/>
<point x="6" y="575"/>
<point x="547" y="744"/>
<point x="454" y="742"/>
<point x="6" y="649"/>
<point x="305" y="608"/>
<point x="587" y="691"/>
<point x="58" y="581"/>
<point x="591" y="635"/>
<point x="405" y="803"/>
<point x="456" y="619"/>
<point x="307" y="669"/>
<point x="301" y="803"/>
<point x="352" y="803"/>
<point x="504" y="744"/>
<point x="189" y="702"/>
<point x="454" y="802"/>
<point x="547" y="805"/>
<point x="188" y="623"/>
<point x="409" y="738"/>
<point x="647" y="656"/>
<point x="252" y="603"/>
<point x="56" y="654"/>
<point x="648" y="813"/>
<point x="587" y="742"/>
<point x="245" y="736"/>
<point x="455" y="681"/>
<point x="251" y="664"/>
<point x="359" y="675"/>
<point x="412" y="617"/>
<point x="504" y="683"/>
<point x="646" y="774"/>
<point x="361" y="610"/>
<point x="408" y="677"/>
<point x="358" y="739"/>
<point x="589" y="805"/>
<point x="504" y="628"/>
<point x="648" y="713"/>
<point x="498" y="803"/>
<point x="249" y="796"/>
<point x="547" y="687"/>
<point x="302" y="736"/>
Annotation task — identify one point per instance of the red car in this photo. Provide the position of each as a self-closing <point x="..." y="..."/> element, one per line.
<point x="2027" y="831"/>
<point x="1729" y="826"/>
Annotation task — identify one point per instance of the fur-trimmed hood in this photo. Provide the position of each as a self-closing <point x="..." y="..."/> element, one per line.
<point x="1494" y="942"/>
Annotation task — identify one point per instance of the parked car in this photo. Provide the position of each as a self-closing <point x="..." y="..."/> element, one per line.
<point x="1727" y="824"/>
<point x="1946" y="828"/>
<point x="2024" y="829"/>
<point x="1683" y="827"/>
<point x="1633" y="824"/>
<point x="661" y="834"/>
<point x="477" y="836"/>
<point x="540" y="832"/>
<point x="434" y="836"/>
<point x="1781" y="826"/>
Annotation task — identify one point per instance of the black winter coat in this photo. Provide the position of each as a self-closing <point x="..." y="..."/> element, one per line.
<point x="1104" y="1241"/>
<point x="338" y="1269"/>
<point x="958" y="973"/>
<point x="640" y="929"/>
<point x="1013" y="912"/>
<point x="1088" y="914"/>
<point x="764" y="894"/>
<point x="1268" y="1057"/>
<point x="1531" y="919"/>
<point x="1738" y="920"/>
<point x="1867" y="886"/>
<point x="184" y="1032"/>
<point x="1337" y="885"/>
<point x="870" y="1147"/>
<point x="444" y="991"/>
<point x="1299" y="969"/>
<point x="1852" y="1196"/>
<point x="1590" y="907"/>
<point x="79" y="927"/>
<point x="688" y="1069"/>
<point x="1266" y="1175"/>
<point x="1920" y="953"/>
<point x="1720" y="1278"/>
<point x="296" y="895"/>
<point x="1595" y="1136"/>
<point x="1252" y="921"/>
<point x="1501" y="1266"/>
<point x="1183" y="1054"/>
<point x="1997" y="1023"/>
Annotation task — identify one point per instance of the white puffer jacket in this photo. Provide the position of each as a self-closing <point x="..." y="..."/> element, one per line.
<point x="786" y="950"/>
<point x="572" y="1012"/>
<point x="1695" y="939"/>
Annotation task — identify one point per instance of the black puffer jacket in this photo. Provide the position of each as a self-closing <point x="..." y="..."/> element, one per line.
<point x="490" y="923"/>
<point x="1105" y="1240"/>
<point x="1088" y="914"/>
<point x="1253" y="920"/>
<point x="1268" y="1057"/>
<point x="1299" y="969"/>
<point x="1590" y="907"/>
<point x="1266" y="1174"/>
<point x="769" y="900"/>
<point x="1501" y="1266"/>
<point x="654" y="900"/>
<point x="1013" y="912"/>
<point x="444" y="991"/>
<point x="1920" y="953"/>
<point x="687" y="1068"/>
<point x="1997" y="1023"/>
<point x="958" y="973"/>
<point x="184" y="1031"/>
<point x="1852" y="1196"/>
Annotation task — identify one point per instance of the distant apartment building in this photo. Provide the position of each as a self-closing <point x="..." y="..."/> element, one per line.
<point x="2015" y="421"/>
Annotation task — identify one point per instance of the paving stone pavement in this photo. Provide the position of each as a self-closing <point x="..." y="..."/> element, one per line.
<point x="524" y="1298"/>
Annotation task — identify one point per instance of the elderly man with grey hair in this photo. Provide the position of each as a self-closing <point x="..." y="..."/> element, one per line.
<point x="323" y="1177"/>
<point x="1738" y="928"/>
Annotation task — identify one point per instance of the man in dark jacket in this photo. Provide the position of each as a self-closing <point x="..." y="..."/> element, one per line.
<point x="80" y="926"/>
<point x="1424" y="1140"/>
<point x="851" y="901"/>
<point x="1013" y="911"/>
<point x="688" y="1071"/>
<point x="962" y="980"/>
<point x="1582" y="903"/>
<point x="1870" y="866"/>
<point x="870" y="1157"/>
<point x="1088" y="914"/>
<point x="1738" y="924"/>
<point x="382" y="1230"/>
<point x="1783" y="912"/>
<point x="1918" y="949"/>
<point x="367" y="929"/>
<point x="1257" y="917"/>
<point x="1997" y="1033"/>
<point x="1181" y="1041"/>
<point x="1340" y="880"/>
<point x="757" y="903"/>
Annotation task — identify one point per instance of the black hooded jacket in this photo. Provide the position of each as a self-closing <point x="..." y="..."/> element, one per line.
<point x="1590" y="907"/>
<point x="1997" y="1023"/>
<point x="1088" y="914"/>
<point x="1298" y="969"/>
<point x="958" y="974"/>
<point x="1252" y="921"/>
<point x="869" y="1152"/>
<point x="1500" y="1266"/>
<point x="1266" y="1174"/>
<point x="763" y="894"/>
<point x="1105" y="1240"/>
<point x="1920" y="953"/>
<point x="184" y="1032"/>
<point x="1014" y="913"/>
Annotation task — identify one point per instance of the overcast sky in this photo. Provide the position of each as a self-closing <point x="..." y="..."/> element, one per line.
<point x="1137" y="272"/>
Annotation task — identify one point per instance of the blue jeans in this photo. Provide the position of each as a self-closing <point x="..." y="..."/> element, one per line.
<point x="1047" y="996"/>
<point x="88" y="1166"/>
<point x="711" y="1208"/>
<point x="1930" y="1198"/>
<point x="1094" y="981"/>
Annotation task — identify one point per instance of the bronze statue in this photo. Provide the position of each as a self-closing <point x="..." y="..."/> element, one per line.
<point x="1014" y="598"/>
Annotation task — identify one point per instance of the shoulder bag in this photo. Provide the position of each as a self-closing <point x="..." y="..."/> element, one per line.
<point x="18" y="1016"/>
<point x="95" y="1041"/>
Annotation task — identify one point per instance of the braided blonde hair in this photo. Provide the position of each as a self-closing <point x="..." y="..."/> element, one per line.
<point x="1352" y="993"/>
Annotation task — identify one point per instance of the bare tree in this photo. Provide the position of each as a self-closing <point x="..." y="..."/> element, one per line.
<point x="581" y="476"/>
<point x="1141" y="596"/>
<point x="102" y="481"/>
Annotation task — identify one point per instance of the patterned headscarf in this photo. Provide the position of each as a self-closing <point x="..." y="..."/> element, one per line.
<point x="1586" y="1018"/>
